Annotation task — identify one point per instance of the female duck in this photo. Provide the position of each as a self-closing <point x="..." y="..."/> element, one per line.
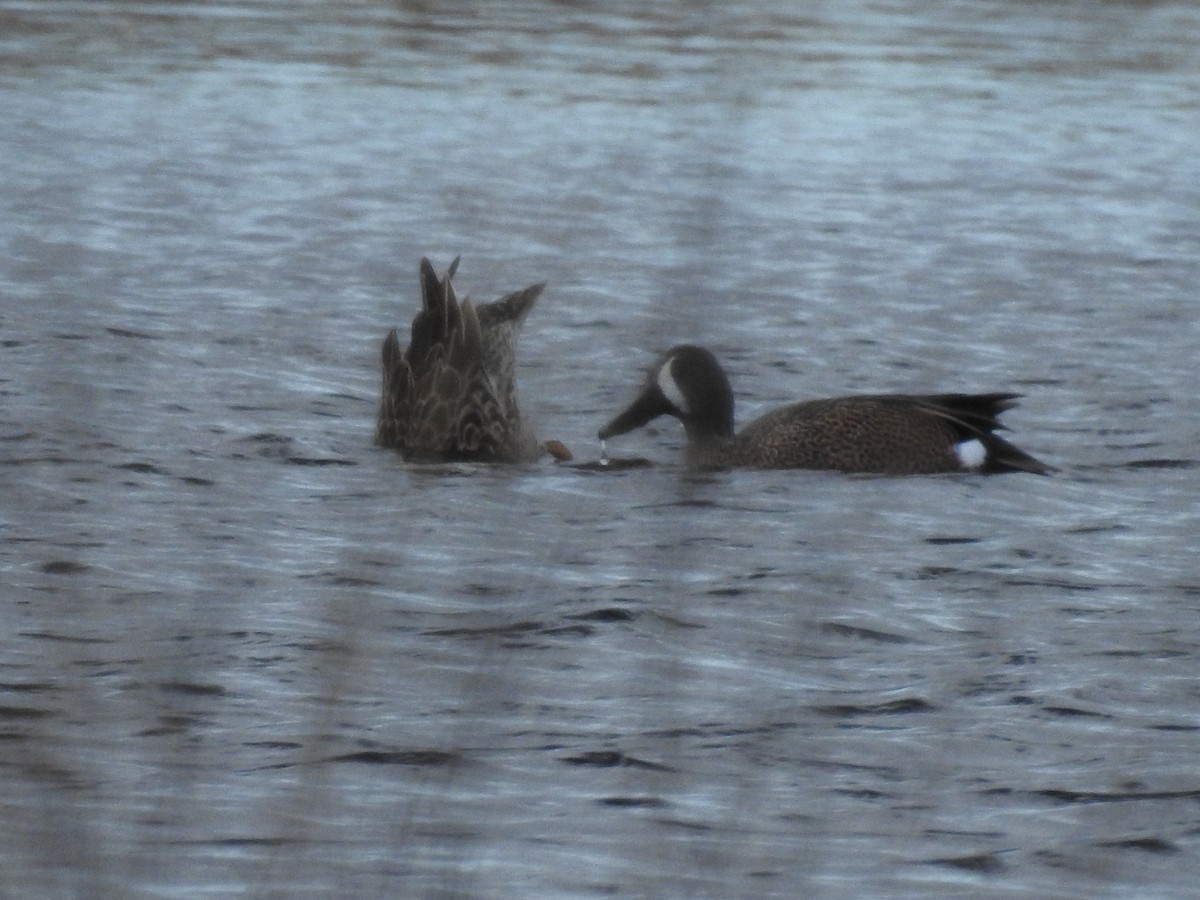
<point x="889" y="434"/>
<point x="452" y="394"/>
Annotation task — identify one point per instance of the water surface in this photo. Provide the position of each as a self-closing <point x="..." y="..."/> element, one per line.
<point x="244" y="651"/>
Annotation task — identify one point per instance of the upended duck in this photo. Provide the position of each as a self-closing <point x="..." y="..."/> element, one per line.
<point x="452" y="394"/>
<point x="887" y="434"/>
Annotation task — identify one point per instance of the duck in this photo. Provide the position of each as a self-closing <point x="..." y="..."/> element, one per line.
<point x="451" y="395"/>
<point x="882" y="434"/>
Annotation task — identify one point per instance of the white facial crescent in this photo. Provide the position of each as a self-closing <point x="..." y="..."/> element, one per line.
<point x="670" y="387"/>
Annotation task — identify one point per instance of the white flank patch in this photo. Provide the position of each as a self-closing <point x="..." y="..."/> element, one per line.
<point x="972" y="454"/>
<point x="670" y="387"/>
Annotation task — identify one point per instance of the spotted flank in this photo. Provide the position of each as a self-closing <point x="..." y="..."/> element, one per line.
<point x="888" y="434"/>
<point x="451" y="395"/>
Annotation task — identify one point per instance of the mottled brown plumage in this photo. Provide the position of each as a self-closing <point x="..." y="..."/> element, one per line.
<point x="452" y="394"/>
<point x="891" y="434"/>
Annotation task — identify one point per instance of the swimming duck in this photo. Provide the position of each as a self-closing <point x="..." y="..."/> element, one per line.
<point x="452" y="394"/>
<point x="891" y="434"/>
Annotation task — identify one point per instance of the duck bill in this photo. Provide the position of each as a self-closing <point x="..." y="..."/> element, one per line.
<point x="650" y="404"/>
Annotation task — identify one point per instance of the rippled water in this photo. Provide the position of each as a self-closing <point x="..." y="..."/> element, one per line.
<point x="244" y="651"/>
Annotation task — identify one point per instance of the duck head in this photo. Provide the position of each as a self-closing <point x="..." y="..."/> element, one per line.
<point x="689" y="384"/>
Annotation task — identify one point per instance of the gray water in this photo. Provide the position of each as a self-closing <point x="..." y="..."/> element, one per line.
<point x="244" y="652"/>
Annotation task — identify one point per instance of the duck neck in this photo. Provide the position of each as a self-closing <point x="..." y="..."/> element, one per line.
<point x="708" y="430"/>
<point x="711" y="452"/>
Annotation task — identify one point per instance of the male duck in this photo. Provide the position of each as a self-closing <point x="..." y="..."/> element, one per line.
<point x="452" y="394"/>
<point x="891" y="434"/>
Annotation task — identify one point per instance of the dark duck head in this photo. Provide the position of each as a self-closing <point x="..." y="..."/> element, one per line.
<point x="688" y="383"/>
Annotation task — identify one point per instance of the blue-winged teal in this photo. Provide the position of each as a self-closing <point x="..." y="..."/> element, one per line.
<point x="892" y="434"/>
<point x="452" y="394"/>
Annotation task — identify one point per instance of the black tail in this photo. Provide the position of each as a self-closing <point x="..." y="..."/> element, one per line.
<point x="977" y="416"/>
<point x="1004" y="457"/>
